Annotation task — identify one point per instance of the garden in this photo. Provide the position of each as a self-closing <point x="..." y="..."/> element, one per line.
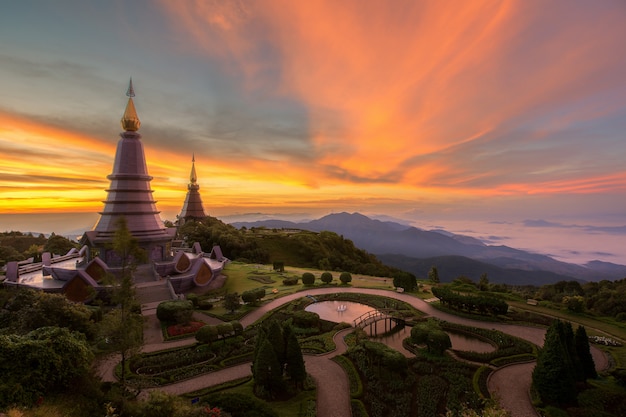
<point x="384" y="382"/>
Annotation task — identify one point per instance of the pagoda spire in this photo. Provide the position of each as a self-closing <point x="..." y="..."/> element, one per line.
<point x="193" y="177"/>
<point x="192" y="208"/>
<point x="130" y="120"/>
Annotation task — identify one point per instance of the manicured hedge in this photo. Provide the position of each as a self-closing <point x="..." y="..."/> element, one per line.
<point x="168" y="311"/>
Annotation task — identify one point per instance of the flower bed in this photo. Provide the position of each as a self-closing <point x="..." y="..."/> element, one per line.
<point x="184" y="329"/>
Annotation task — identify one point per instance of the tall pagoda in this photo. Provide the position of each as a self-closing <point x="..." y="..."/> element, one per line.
<point x="130" y="196"/>
<point x="192" y="208"/>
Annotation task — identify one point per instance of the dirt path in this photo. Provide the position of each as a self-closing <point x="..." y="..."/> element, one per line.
<point x="509" y="384"/>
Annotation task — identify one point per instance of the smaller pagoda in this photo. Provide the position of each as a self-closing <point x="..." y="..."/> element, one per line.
<point x="192" y="208"/>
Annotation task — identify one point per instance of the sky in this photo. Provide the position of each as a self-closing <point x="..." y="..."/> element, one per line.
<point x="504" y="120"/>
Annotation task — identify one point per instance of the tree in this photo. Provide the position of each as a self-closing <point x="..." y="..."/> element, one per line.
<point x="586" y="362"/>
<point x="45" y="360"/>
<point x="58" y="245"/>
<point x="326" y="277"/>
<point x="9" y="254"/>
<point x="33" y="251"/>
<point x="122" y="327"/>
<point x="28" y="310"/>
<point x="575" y="303"/>
<point x="431" y="334"/>
<point x="267" y="371"/>
<point x="278" y="266"/>
<point x="294" y="360"/>
<point x="276" y="338"/>
<point x="405" y="280"/>
<point x="438" y="341"/>
<point x="553" y="376"/>
<point x="231" y="301"/>
<point x="345" y="278"/>
<point x="433" y="275"/>
<point x="483" y="282"/>
<point x="419" y="334"/>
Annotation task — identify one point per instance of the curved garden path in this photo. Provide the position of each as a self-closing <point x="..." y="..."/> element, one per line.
<point x="510" y="384"/>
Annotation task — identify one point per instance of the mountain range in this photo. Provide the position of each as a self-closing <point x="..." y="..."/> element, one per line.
<point x="416" y="250"/>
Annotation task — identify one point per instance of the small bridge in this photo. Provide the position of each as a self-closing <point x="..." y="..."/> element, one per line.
<point x="371" y="317"/>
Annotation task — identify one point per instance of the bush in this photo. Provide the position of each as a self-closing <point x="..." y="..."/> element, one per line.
<point x="305" y="319"/>
<point x="308" y="278"/>
<point x="290" y="281"/>
<point x="237" y="327"/>
<point x="225" y="329"/>
<point x="207" y="334"/>
<point x="326" y="277"/>
<point x="172" y="311"/>
<point x="193" y="298"/>
<point x="345" y="277"/>
<point x="253" y="296"/>
<point x="241" y="405"/>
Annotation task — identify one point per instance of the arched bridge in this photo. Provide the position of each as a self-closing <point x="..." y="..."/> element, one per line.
<point x="371" y="317"/>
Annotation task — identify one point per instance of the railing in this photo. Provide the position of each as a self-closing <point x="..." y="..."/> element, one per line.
<point x="373" y="316"/>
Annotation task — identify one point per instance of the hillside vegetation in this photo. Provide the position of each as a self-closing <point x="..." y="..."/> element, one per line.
<point x="298" y="248"/>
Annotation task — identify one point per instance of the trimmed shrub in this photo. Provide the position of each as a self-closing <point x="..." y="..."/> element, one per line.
<point x="345" y="277"/>
<point x="308" y="278"/>
<point x="207" y="334"/>
<point x="172" y="311"/>
<point x="237" y="327"/>
<point x="290" y="281"/>
<point x="326" y="277"/>
<point x="225" y="329"/>
<point x="253" y="296"/>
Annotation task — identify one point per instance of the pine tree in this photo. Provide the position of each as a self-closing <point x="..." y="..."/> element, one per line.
<point x="260" y="338"/>
<point x="268" y="373"/>
<point x="433" y="275"/>
<point x="295" y="368"/>
<point x="571" y="357"/>
<point x="275" y="336"/>
<point x="587" y="364"/>
<point x="553" y="377"/>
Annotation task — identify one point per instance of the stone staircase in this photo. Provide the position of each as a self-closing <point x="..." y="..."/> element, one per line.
<point x="153" y="292"/>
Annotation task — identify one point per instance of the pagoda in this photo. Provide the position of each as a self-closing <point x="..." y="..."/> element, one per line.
<point x="192" y="208"/>
<point x="130" y="196"/>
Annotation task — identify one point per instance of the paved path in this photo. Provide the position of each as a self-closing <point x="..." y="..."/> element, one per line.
<point x="510" y="384"/>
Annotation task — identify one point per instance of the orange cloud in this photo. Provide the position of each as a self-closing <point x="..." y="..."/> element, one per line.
<point x="386" y="85"/>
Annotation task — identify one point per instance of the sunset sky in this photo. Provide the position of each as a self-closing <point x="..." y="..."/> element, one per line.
<point x="435" y="112"/>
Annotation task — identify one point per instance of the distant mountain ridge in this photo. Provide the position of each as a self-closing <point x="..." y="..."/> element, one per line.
<point x="409" y="247"/>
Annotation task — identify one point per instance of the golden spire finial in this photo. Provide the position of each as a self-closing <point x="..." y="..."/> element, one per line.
<point x="193" y="177"/>
<point x="130" y="120"/>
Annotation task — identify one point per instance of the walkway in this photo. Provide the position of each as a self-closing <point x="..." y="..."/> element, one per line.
<point x="510" y="384"/>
